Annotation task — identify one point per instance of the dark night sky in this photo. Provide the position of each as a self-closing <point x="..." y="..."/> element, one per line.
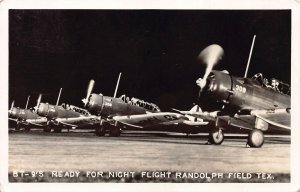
<point x="155" y="50"/>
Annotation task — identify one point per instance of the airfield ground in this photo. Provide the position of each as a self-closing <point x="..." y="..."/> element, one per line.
<point x="138" y="152"/>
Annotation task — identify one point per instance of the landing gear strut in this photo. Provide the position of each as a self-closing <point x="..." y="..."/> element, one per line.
<point x="47" y="129"/>
<point x="57" y="129"/>
<point x="216" y="137"/>
<point x="114" y="131"/>
<point x="18" y="127"/>
<point x="27" y="128"/>
<point x="255" y="138"/>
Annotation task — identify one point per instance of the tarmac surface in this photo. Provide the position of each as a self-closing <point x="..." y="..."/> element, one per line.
<point x="144" y="151"/>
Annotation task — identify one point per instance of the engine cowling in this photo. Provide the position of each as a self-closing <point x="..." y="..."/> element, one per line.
<point x="218" y="87"/>
<point x="95" y="103"/>
<point x="46" y="110"/>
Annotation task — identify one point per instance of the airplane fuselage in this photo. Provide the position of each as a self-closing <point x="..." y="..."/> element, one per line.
<point x="53" y="111"/>
<point x="238" y="94"/>
<point x="106" y="106"/>
<point x="23" y="114"/>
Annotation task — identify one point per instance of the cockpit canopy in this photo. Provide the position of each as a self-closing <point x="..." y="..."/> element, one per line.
<point x="274" y="84"/>
<point x="76" y="109"/>
<point x="140" y="103"/>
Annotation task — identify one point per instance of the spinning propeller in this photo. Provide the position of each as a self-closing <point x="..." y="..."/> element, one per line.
<point x="38" y="102"/>
<point x="89" y="91"/>
<point x="11" y="107"/>
<point x="209" y="56"/>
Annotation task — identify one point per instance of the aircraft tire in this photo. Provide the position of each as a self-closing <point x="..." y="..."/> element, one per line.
<point x="255" y="138"/>
<point x="27" y="128"/>
<point x="57" y="129"/>
<point x="215" y="137"/>
<point x="18" y="127"/>
<point x="114" y="132"/>
<point x="100" y="131"/>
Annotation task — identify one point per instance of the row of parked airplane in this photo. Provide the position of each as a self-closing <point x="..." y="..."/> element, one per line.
<point x="227" y="102"/>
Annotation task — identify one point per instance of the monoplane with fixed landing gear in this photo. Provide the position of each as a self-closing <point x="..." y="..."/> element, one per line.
<point x="25" y="118"/>
<point x="65" y="116"/>
<point x="241" y="103"/>
<point x="121" y="112"/>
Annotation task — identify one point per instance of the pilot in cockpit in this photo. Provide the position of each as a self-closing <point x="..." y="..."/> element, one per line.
<point x="67" y="106"/>
<point x="274" y="84"/>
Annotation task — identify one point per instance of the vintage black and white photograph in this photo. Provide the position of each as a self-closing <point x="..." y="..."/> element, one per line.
<point x="149" y="96"/>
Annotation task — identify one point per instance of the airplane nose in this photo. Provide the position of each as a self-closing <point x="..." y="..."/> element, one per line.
<point x="94" y="104"/>
<point x="13" y="113"/>
<point x="41" y="109"/>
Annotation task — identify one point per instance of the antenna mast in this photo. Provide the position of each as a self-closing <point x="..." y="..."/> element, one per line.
<point x="117" y="86"/>
<point x="249" y="58"/>
<point x="58" y="96"/>
<point x="27" y="101"/>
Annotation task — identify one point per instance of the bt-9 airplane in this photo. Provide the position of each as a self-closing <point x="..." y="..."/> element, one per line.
<point x="122" y="112"/>
<point x="249" y="104"/>
<point x="65" y="116"/>
<point x="25" y="117"/>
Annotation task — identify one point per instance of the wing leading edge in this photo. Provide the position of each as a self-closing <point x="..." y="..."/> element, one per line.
<point x="157" y="119"/>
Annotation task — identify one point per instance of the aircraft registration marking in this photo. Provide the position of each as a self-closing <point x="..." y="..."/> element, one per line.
<point x="107" y="104"/>
<point x="240" y="88"/>
<point x="171" y="117"/>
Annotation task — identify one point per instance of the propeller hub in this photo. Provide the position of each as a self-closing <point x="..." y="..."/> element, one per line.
<point x="210" y="56"/>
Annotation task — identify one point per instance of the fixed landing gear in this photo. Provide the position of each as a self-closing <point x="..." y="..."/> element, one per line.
<point x="113" y="130"/>
<point x="57" y="129"/>
<point x="18" y="126"/>
<point x="255" y="138"/>
<point x="216" y="137"/>
<point x="47" y="129"/>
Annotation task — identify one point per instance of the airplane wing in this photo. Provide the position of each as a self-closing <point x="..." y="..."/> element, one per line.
<point x="156" y="119"/>
<point x="67" y="124"/>
<point x="273" y="119"/>
<point x="38" y="122"/>
<point x="208" y="116"/>
<point x="12" y="119"/>
<point x="276" y="117"/>
<point x="276" y="121"/>
<point x="79" y="121"/>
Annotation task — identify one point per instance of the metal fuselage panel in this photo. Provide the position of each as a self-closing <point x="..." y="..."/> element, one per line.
<point x="243" y="93"/>
<point x="108" y="106"/>
<point x="53" y="111"/>
<point x="248" y="96"/>
<point x="23" y="114"/>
